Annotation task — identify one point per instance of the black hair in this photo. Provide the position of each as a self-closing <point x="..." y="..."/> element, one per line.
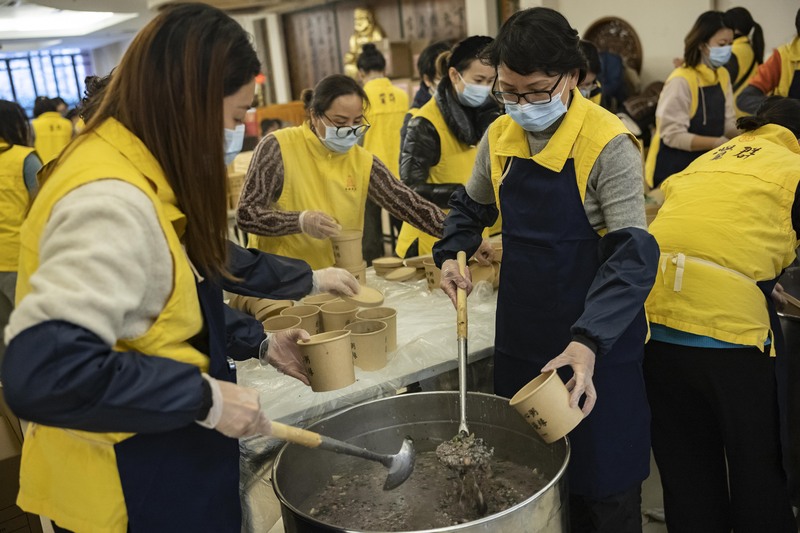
<point x="797" y="22"/>
<point x="318" y="100"/>
<point x="774" y="110"/>
<point x="43" y="104"/>
<point x="92" y="95"/>
<point x="538" y="39"/>
<point x="58" y="101"/>
<point x="14" y="127"/>
<point x="704" y="29"/>
<point x="371" y="59"/>
<point x="72" y="113"/>
<point x="461" y="57"/>
<point x="267" y="123"/>
<point x="426" y="63"/>
<point x="592" y="55"/>
<point x="741" y="22"/>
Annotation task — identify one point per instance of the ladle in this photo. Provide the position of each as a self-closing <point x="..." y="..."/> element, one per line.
<point x="400" y="464"/>
<point x="461" y="326"/>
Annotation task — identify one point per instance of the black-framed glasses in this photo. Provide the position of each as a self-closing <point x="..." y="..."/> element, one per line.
<point x="531" y="97"/>
<point x="344" y="131"/>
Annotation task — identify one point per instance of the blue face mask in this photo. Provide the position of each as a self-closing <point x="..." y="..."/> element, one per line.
<point x="336" y="143"/>
<point x="537" y="117"/>
<point x="233" y="143"/>
<point x="719" y="55"/>
<point x="473" y="95"/>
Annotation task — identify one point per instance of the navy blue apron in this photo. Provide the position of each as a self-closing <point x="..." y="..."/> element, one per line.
<point x="186" y="479"/>
<point x="550" y="258"/>
<point x="670" y="160"/>
<point x="794" y="88"/>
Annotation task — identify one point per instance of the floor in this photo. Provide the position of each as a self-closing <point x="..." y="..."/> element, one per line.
<point x="652" y="501"/>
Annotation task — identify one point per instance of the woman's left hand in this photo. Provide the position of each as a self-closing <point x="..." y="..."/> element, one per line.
<point x="284" y="353"/>
<point x="778" y="297"/>
<point x="335" y="280"/>
<point x="581" y="359"/>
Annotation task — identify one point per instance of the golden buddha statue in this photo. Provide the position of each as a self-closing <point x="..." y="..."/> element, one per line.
<point x="366" y="31"/>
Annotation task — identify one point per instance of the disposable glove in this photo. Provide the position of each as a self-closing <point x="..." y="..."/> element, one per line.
<point x="451" y="280"/>
<point x="235" y="411"/>
<point x="335" y="280"/>
<point x="485" y="253"/>
<point x="319" y="225"/>
<point x="581" y="359"/>
<point x="283" y="353"/>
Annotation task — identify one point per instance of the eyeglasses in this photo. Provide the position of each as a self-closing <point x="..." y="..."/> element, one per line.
<point x="344" y="131"/>
<point x="532" y="97"/>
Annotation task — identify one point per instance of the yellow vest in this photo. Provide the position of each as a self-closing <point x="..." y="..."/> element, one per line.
<point x="697" y="77"/>
<point x="318" y="179"/>
<point x="743" y="52"/>
<point x="456" y="161"/>
<point x="387" y="107"/>
<point x="71" y="476"/>
<point x="584" y="132"/>
<point x="790" y="63"/>
<point x="714" y="247"/>
<point x="13" y="202"/>
<point x="53" y="132"/>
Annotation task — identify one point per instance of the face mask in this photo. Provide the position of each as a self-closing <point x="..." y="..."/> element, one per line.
<point x="473" y="94"/>
<point x="233" y="143"/>
<point x="719" y="55"/>
<point x="338" y="144"/>
<point x="537" y="117"/>
<point x="585" y="92"/>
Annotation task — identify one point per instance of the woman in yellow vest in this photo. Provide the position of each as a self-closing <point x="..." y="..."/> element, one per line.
<point x="441" y="142"/>
<point x="578" y="262"/>
<point x="52" y="131"/>
<point x="590" y="86"/>
<point x="428" y="81"/>
<point x="18" y="167"/>
<point x="387" y="107"/>
<point x="727" y="229"/>
<point x="747" y="52"/>
<point x="119" y="342"/>
<point x="695" y="109"/>
<point x="306" y="184"/>
<point x="779" y="75"/>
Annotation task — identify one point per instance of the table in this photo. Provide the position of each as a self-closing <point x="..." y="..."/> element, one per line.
<point x="427" y="347"/>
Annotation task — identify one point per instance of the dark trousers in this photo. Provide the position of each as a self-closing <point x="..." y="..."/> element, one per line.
<point x="715" y="438"/>
<point x="372" y="243"/>
<point x="619" y="513"/>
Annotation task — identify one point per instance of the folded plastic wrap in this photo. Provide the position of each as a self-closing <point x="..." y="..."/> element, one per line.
<point x="426" y="339"/>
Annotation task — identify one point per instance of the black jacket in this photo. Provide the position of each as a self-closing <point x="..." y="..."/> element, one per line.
<point x="422" y="145"/>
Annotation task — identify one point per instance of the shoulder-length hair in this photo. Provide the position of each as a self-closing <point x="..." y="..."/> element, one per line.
<point x="168" y="90"/>
<point x="704" y="29"/>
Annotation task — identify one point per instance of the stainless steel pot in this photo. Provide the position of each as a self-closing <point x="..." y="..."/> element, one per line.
<point x="429" y="418"/>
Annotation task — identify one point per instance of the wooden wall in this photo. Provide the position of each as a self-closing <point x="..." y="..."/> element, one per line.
<point x="317" y="38"/>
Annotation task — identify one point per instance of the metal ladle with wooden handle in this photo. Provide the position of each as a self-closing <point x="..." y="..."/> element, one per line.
<point x="461" y="326"/>
<point x="400" y="464"/>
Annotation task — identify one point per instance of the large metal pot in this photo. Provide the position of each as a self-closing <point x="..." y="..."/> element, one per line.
<point x="429" y="418"/>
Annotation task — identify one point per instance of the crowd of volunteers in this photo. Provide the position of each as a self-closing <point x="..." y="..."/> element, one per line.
<point x="118" y="348"/>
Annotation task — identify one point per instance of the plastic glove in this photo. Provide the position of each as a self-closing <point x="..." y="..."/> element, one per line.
<point x="235" y="411"/>
<point x="335" y="280"/>
<point x="581" y="359"/>
<point x="451" y="280"/>
<point x="319" y="225"/>
<point x="778" y="297"/>
<point x="485" y="253"/>
<point x="284" y="353"/>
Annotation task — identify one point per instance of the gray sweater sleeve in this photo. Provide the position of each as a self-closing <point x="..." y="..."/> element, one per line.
<point x="615" y="191"/>
<point x="479" y="186"/>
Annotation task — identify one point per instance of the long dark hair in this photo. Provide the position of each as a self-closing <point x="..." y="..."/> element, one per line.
<point x="14" y="127"/>
<point x="741" y="22"/>
<point x="168" y="91"/>
<point x="704" y="29"/>
<point x="774" y="110"/>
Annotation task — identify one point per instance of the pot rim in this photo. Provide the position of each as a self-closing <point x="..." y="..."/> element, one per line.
<point x="562" y="471"/>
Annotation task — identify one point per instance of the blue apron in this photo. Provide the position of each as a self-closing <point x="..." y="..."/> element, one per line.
<point x="794" y="88"/>
<point x="186" y="479"/>
<point x="670" y="160"/>
<point x="550" y="258"/>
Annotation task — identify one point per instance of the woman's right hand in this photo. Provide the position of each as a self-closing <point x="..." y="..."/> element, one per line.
<point x="235" y="410"/>
<point x="451" y="280"/>
<point x="319" y="225"/>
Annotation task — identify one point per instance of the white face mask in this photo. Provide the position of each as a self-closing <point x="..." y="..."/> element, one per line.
<point x="538" y="117"/>
<point x="719" y="55"/>
<point x="473" y="95"/>
<point x="338" y="144"/>
<point x="233" y="143"/>
<point x="585" y="92"/>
